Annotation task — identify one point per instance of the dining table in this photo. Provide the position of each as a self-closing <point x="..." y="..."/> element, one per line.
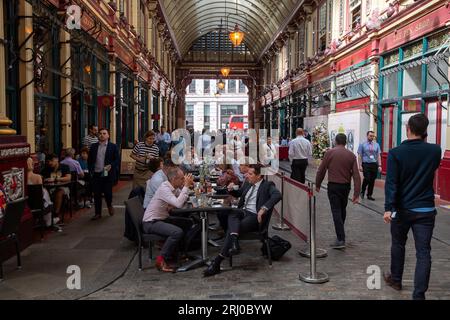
<point x="218" y="203"/>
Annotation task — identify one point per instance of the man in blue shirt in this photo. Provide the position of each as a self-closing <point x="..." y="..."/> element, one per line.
<point x="369" y="155"/>
<point x="409" y="202"/>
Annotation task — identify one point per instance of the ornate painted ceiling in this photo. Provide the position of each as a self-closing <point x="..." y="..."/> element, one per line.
<point x="261" y="20"/>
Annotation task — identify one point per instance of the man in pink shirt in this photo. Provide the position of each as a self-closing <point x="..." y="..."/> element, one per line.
<point x="157" y="219"/>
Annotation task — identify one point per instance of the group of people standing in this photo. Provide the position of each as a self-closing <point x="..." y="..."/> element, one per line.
<point x="409" y="192"/>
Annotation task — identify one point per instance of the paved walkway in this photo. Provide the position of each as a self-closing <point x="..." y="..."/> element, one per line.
<point x="107" y="273"/>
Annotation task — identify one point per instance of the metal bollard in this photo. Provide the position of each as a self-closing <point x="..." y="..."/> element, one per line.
<point x="313" y="276"/>
<point x="281" y="225"/>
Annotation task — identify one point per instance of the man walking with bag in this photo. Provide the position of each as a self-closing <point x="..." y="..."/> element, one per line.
<point x="409" y="203"/>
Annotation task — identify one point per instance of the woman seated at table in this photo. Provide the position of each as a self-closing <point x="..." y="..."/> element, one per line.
<point x="228" y="176"/>
<point x="56" y="173"/>
<point x="36" y="179"/>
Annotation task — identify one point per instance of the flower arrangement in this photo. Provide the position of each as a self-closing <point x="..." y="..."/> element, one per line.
<point x="320" y="141"/>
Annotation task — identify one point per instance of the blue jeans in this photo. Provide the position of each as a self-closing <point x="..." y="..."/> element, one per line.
<point x="422" y="225"/>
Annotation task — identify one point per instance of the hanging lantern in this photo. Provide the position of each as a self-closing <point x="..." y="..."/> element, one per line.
<point x="236" y="36"/>
<point x="87" y="69"/>
<point x="221" y="85"/>
<point x="225" y="71"/>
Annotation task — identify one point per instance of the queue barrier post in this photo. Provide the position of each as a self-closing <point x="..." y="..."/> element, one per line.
<point x="281" y="226"/>
<point x="313" y="276"/>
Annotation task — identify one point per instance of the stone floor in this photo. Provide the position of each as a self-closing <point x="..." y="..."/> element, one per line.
<point x="109" y="265"/>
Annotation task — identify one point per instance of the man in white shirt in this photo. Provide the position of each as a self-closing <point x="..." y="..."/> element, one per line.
<point x="156" y="217"/>
<point x="156" y="181"/>
<point x="299" y="151"/>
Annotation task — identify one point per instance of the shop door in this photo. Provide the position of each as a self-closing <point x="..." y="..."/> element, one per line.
<point x="389" y="133"/>
<point x="437" y="116"/>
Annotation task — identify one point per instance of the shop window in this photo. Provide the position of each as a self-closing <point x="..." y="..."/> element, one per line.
<point x="390" y="86"/>
<point x="412" y="81"/>
<point x="433" y="84"/>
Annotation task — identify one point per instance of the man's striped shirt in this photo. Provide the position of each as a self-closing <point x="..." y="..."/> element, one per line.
<point x="141" y="149"/>
<point x="89" y="140"/>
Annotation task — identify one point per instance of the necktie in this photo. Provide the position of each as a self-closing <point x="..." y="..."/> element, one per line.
<point x="249" y="196"/>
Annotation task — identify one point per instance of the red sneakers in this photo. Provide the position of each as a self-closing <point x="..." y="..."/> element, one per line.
<point x="161" y="265"/>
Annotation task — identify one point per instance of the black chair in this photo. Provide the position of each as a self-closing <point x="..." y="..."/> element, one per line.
<point x="136" y="211"/>
<point x="36" y="205"/>
<point x="262" y="234"/>
<point x="10" y="227"/>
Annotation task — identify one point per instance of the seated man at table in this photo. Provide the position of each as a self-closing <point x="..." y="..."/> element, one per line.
<point x="157" y="180"/>
<point x="228" y="176"/>
<point x="54" y="172"/>
<point x="158" y="221"/>
<point x="73" y="164"/>
<point x="257" y="199"/>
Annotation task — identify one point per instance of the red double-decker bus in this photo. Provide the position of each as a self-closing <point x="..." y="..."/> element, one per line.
<point x="238" y="122"/>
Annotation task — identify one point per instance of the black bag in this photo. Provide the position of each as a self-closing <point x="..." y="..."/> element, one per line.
<point x="193" y="238"/>
<point x="278" y="247"/>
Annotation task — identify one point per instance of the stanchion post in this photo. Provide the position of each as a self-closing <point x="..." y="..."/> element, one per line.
<point x="313" y="276"/>
<point x="281" y="225"/>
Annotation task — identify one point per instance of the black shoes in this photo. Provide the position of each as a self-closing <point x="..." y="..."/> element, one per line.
<point x="214" y="267"/>
<point x="370" y="198"/>
<point x="96" y="217"/>
<point x="395" y="285"/>
<point x="338" y="245"/>
<point x="235" y="248"/>
<point x="362" y="195"/>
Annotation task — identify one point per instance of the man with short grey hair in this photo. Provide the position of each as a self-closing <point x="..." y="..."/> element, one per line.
<point x="157" y="219"/>
<point x="73" y="164"/>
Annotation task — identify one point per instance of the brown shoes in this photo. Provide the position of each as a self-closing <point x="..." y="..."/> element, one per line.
<point x="162" y="265"/>
<point x="390" y="282"/>
<point x="111" y="211"/>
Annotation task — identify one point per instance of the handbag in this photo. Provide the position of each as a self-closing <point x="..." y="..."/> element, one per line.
<point x="278" y="247"/>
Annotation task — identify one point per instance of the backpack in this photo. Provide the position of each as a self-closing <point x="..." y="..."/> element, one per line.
<point x="193" y="238"/>
<point x="278" y="247"/>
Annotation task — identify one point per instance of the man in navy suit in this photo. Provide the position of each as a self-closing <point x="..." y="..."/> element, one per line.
<point x="258" y="197"/>
<point x="103" y="165"/>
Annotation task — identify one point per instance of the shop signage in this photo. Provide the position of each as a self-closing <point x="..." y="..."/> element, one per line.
<point x="13" y="183"/>
<point x="416" y="29"/>
<point x="105" y="101"/>
<point x="14" y="152"/>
